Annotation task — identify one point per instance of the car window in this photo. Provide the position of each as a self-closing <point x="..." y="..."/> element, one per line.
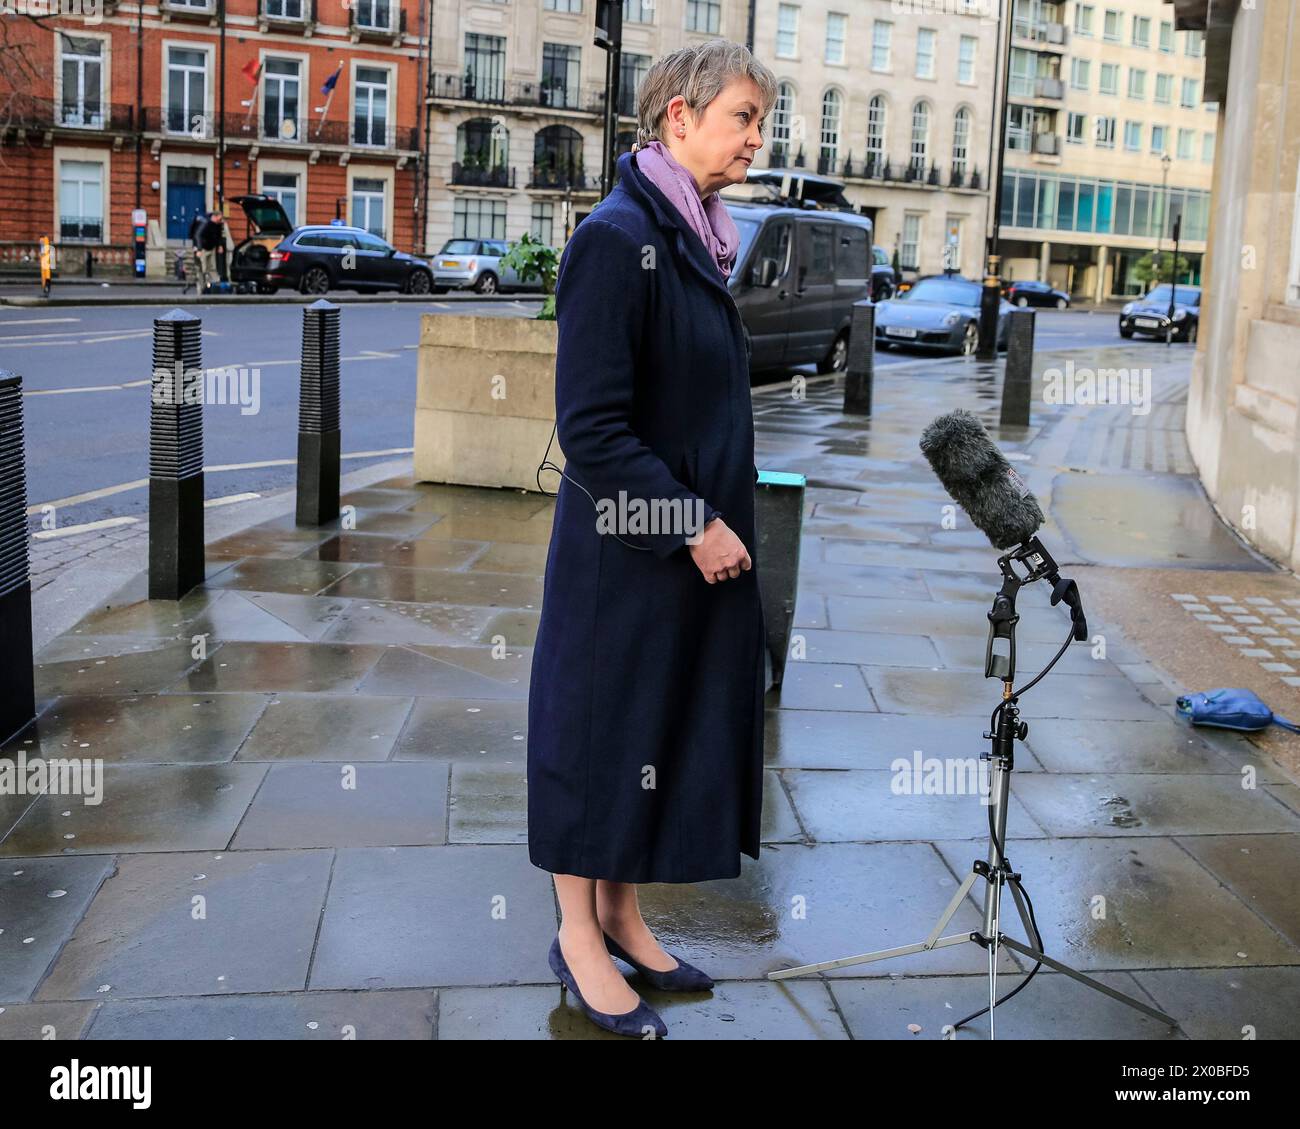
<point x="495" y="247"/>
<point x="851" y="259"/>
<point x="952" y="291"/>
<point x="774" y="243"/>
<point x="308" y="240"/>
<point x="459" y="247"/>
<point x="821" y="243"/>
<point x="1188" y="295"/>
<point x="880" y="256"/>
<point x="364" y="241"/>
<point x="748" y="228"/>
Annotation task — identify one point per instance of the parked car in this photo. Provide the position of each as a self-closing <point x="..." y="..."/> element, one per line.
<point x="475" y="264"/>
<point x="938" y="312"/>
<point x="798" y="272"/>
<point x="322" y="257"/>
<point x="1027" y="292"/>
<point x="884" y="279"/>
<point x="1149" y="315"/>
<point x="250" y="258"/>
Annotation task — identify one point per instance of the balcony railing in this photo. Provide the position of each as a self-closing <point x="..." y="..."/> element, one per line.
<point x="83" y="229"/>
<point x="25" y="111"/>
<point x="1047" y="144"/>
<point x="467" y="87"/>
<point x="1047" y="87"/>
<point x="243" y="128"/>
<point x="878" y="167"/>
<point x="1048" y="32"/>
<point x="479" y="177"/>
<point x="559" y="174"/>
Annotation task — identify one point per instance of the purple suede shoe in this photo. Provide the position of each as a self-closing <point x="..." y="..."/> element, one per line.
<point x="634" y="1023"/>
<point x="684" y="978"/>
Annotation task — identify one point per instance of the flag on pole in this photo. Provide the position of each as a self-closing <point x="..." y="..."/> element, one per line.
<point x="333" y="79"/>
<point x="252" y="70"/>
<point x="328" y="90"/>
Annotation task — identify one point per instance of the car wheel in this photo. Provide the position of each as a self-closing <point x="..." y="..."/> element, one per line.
<point x="1125" y="332"/>
<point x="837" y="360"/>
<point x="970" y="341"/>
<point x="419" y="282"/>
<point x="1022" y="301"/>
<point x="315" y="280"/>
<point x="1190" y="335"/>
<point x="1061" y="303"/>
<point x="487" y="283"/>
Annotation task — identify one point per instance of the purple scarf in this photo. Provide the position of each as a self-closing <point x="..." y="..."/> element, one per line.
<point x="707" y="217"/>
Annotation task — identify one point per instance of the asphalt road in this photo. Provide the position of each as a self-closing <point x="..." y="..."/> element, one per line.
<point x="86" y="374"/>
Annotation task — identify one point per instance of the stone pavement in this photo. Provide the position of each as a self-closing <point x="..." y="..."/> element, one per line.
<point x="313" y="812"/>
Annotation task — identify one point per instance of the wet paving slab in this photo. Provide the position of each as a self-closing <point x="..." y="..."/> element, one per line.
<point x="314" y="806"/>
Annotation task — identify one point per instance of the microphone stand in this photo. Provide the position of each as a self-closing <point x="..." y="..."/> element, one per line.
<point x="1005" y="729"/>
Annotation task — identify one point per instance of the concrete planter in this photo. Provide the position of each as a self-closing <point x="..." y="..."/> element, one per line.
<point x="485" y="400"/>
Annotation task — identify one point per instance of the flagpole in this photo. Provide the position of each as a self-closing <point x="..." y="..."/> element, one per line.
<point x="325" y="109"/>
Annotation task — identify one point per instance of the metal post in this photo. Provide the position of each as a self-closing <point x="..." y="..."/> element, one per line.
<point x="17" y="689"/>
<point x="1018" y="378"/>
<point x="318" y="416"/>
<point x="176" y="457"/>
<point x="859" y="373"/>
<point x="778" y="521"/>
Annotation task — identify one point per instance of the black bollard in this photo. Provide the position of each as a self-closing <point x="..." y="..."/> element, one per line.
<point x="176" y="457"/>
<point x="778" y="519"/>
<point x="318" y="416"/>
<point x="1018" y="378"/>
<point x="860" y="370"/>
<point x="990" y="307"/>
<point x="17" y="689"/>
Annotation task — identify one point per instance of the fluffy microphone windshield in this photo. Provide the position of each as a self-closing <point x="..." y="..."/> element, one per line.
<point x="979" y="478"/>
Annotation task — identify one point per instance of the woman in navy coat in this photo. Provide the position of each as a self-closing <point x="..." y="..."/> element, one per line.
<point x="645" y="710"/>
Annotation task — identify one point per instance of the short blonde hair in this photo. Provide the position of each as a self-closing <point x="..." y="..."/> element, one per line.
<point x="698" y="74"/>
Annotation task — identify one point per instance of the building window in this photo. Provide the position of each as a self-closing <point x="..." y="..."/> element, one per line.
<point x="280" y="98"/>
<point x="1191" y="92"/>
<point x="830" y="132"/>
<point x="952" y="244"/>
<point x="478" y="218"/>
<point x="1083" y="19"/>
<point x="836" y="27"/>
<point x="787" y="31"/>
<point x="1024" y="69"/>
<point x="703" y="15"/>
<point x="368" y="205"/>
<point x="782" y="112"/>
<point x="1159" y="138"/>
<point x="557" y="158"/>
<point x="284" y="9"/>
<point x="187" y="81"/>
<point x="1111" y="26"/>
<point x="909" y="255"/>
<point x="960" y="140"/>
<point x="1075" y="126"/>
<point x="542" y="222"/>
<point x="375" y="14"/>
<point x="925" y="53"/>
<point x="82" y="101"/>
<point x="1141" y="31"/>
<point x="560" y="75"/>
<point x="1109" y="78"/>
<point x="1186" y="144"/>
<point x="632" y="71"/>
<point x="638" y="11"/>
<point x="1164" y="88"/>
<point x="370" y="107"/>
<point x="1194" y="44"/>
<point x="1104" y="133"/>
<point x="1137" y="83"/>
<point x="485" y="66"/>
<point x="875" y="134"/>
<point x="1080" y="73"/>
<point x="920" y="138"/>
<point x="562" y="5"/>
<point x="966" y="60"/>
<point x="1133" y="136"/>
<point x="1207" y="147"/>
<point x="283" y="186"/>
<point x="882" y="34"/>
<point x="1166" y="37"/>
<point x="1020" y="128"/>
<point x="81" y="201"/>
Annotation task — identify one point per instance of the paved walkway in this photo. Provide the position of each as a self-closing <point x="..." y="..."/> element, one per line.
<point x="313" y="807"/>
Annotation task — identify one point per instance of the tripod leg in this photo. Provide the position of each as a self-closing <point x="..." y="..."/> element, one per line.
<point x="1034" y="954"/>
<point x="957" y="899"/>
<point x="996" y="891"/>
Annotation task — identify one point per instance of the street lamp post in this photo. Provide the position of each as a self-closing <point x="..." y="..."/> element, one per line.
<point x="991" y="293"/>
<point x="1165" y="162"/>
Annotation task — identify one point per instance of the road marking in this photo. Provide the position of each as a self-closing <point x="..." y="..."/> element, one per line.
<point x="87" y="527"/>
<point x="37" y="321"/>
<point x="228" y="499"/>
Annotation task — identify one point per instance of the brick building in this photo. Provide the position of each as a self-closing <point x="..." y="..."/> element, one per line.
<point x="101" y="116"/>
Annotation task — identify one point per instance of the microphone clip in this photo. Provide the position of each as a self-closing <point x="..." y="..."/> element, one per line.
<point x="1037" y="564"/>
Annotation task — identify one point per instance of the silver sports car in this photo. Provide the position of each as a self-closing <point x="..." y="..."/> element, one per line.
<point x="938" y="312"/>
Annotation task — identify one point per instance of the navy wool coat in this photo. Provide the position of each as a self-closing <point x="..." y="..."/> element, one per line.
<point x="645" y="706"/>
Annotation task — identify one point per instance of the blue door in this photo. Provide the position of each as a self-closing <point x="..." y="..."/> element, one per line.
<point x="184" y="202"/>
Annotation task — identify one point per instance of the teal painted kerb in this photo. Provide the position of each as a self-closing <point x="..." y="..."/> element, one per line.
<point x="780" y="478"/>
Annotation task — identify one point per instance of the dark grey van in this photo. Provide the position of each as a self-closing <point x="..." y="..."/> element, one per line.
<point x="798" y="273"/>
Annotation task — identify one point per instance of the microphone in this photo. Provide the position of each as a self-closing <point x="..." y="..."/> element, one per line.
<point x="980" y="480"/>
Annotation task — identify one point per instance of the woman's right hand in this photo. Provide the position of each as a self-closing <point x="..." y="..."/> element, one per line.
<point x="719" y="553"/>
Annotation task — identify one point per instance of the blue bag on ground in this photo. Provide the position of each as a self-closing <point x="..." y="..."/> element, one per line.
<point x="1231" y="709"/>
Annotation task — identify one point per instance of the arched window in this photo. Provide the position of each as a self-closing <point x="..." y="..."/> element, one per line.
<point x="920" y="138"/>
<point x="875" y="135"/>
<point x="960" y="140"/>
<point x="557" y="158"/>
<point x="482" y="148"/>
<point x="830" y="134"/>
<point x="782" y="116"/>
